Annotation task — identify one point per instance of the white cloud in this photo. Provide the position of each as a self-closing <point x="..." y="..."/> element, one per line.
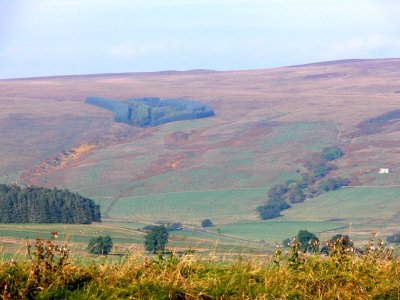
<point x="368" y="43"/>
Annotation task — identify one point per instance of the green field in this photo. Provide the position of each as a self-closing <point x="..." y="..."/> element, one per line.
<point x="126" y="236"/>
<point x="275" y="231"/>
<point x="222" y="206"/>
<point x="357" y="205"/>
<point x="366" y="210"/>
<point x="71" y="233"/>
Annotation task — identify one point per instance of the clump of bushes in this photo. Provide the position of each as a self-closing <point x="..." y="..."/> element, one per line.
<point x="331" y="153"/>
<point x="207" y="223"/>
<point x="100" y="245"/>
<point x="312" y="183"/>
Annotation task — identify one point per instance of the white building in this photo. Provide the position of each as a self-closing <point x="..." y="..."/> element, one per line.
<point x="383" y="171"/>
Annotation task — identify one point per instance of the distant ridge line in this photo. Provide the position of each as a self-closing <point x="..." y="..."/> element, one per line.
<point x="343" y="61"/>
<point x="198" y="71"/>
<point x="151" y="73"/>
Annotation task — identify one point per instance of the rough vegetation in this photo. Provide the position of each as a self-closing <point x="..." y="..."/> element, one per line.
<point x="151" y="111"/>
<point x="50" y="273"/>
<point x="312" y="183"/>
<point x="41" y="205"/>
<point x="376" y="124"/>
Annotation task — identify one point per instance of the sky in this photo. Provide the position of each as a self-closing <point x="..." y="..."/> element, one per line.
<point x="65" y="37"/>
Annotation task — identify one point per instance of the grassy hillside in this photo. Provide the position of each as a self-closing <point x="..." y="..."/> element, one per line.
<point x="267" y="123"/>
<point x="374" y="206"/>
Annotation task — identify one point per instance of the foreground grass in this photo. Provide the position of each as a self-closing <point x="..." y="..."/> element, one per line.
<point x="51" y="274"/>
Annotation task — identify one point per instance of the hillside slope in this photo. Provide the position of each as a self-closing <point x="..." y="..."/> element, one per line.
<point x="267" y="123"/>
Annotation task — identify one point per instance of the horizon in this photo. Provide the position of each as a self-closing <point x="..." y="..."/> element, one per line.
<point x="338" y="61"/>
<point x="68" y="37"/>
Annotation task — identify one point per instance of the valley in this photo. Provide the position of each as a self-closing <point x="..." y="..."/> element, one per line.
<point x="266" y="124"/>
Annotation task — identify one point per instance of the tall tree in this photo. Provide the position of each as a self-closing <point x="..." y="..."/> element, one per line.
<point x="156" y="239"/>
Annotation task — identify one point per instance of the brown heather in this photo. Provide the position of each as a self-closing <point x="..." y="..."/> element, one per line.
<point x="344" y="274"/>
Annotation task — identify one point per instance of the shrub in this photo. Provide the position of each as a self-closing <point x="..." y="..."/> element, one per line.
<point x="331" y="153"/>
<point x="100" y="245"/>
<point x="338" y="242"/>
<point x="394" y="238"/>
<point x="207" y="223"/>
<point x="286" y="242"/>
<point x="331" y="184"/>
<point x="308" y="241"/>
<point x="174" y="226"/>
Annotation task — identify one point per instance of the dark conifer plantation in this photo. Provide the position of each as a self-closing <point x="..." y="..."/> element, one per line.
<point x="41" y="205"/>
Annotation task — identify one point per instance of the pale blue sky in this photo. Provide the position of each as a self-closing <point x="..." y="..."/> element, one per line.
<point x="55" y="37"/>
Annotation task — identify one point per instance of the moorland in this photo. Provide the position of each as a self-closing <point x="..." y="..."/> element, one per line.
<point x="267" y="125"/>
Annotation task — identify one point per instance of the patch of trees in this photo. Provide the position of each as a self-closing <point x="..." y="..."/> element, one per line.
<point x="150" y="111"/>
<point x="331" y="184"/>
<point x="277" y="202"/>
<point x="312" y="183"/>
<point x="41" y="205"/>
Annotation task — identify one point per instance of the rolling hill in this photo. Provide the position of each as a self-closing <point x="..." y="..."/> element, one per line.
<point x="266" y="123"/>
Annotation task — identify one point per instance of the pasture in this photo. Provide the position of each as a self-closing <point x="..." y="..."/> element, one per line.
<point x="276" y="230"/>
<point x="366" y="209"/>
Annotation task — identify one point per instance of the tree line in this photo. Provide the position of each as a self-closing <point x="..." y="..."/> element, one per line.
<point x="312" y="183"/>
<point x="41" y="205"/>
